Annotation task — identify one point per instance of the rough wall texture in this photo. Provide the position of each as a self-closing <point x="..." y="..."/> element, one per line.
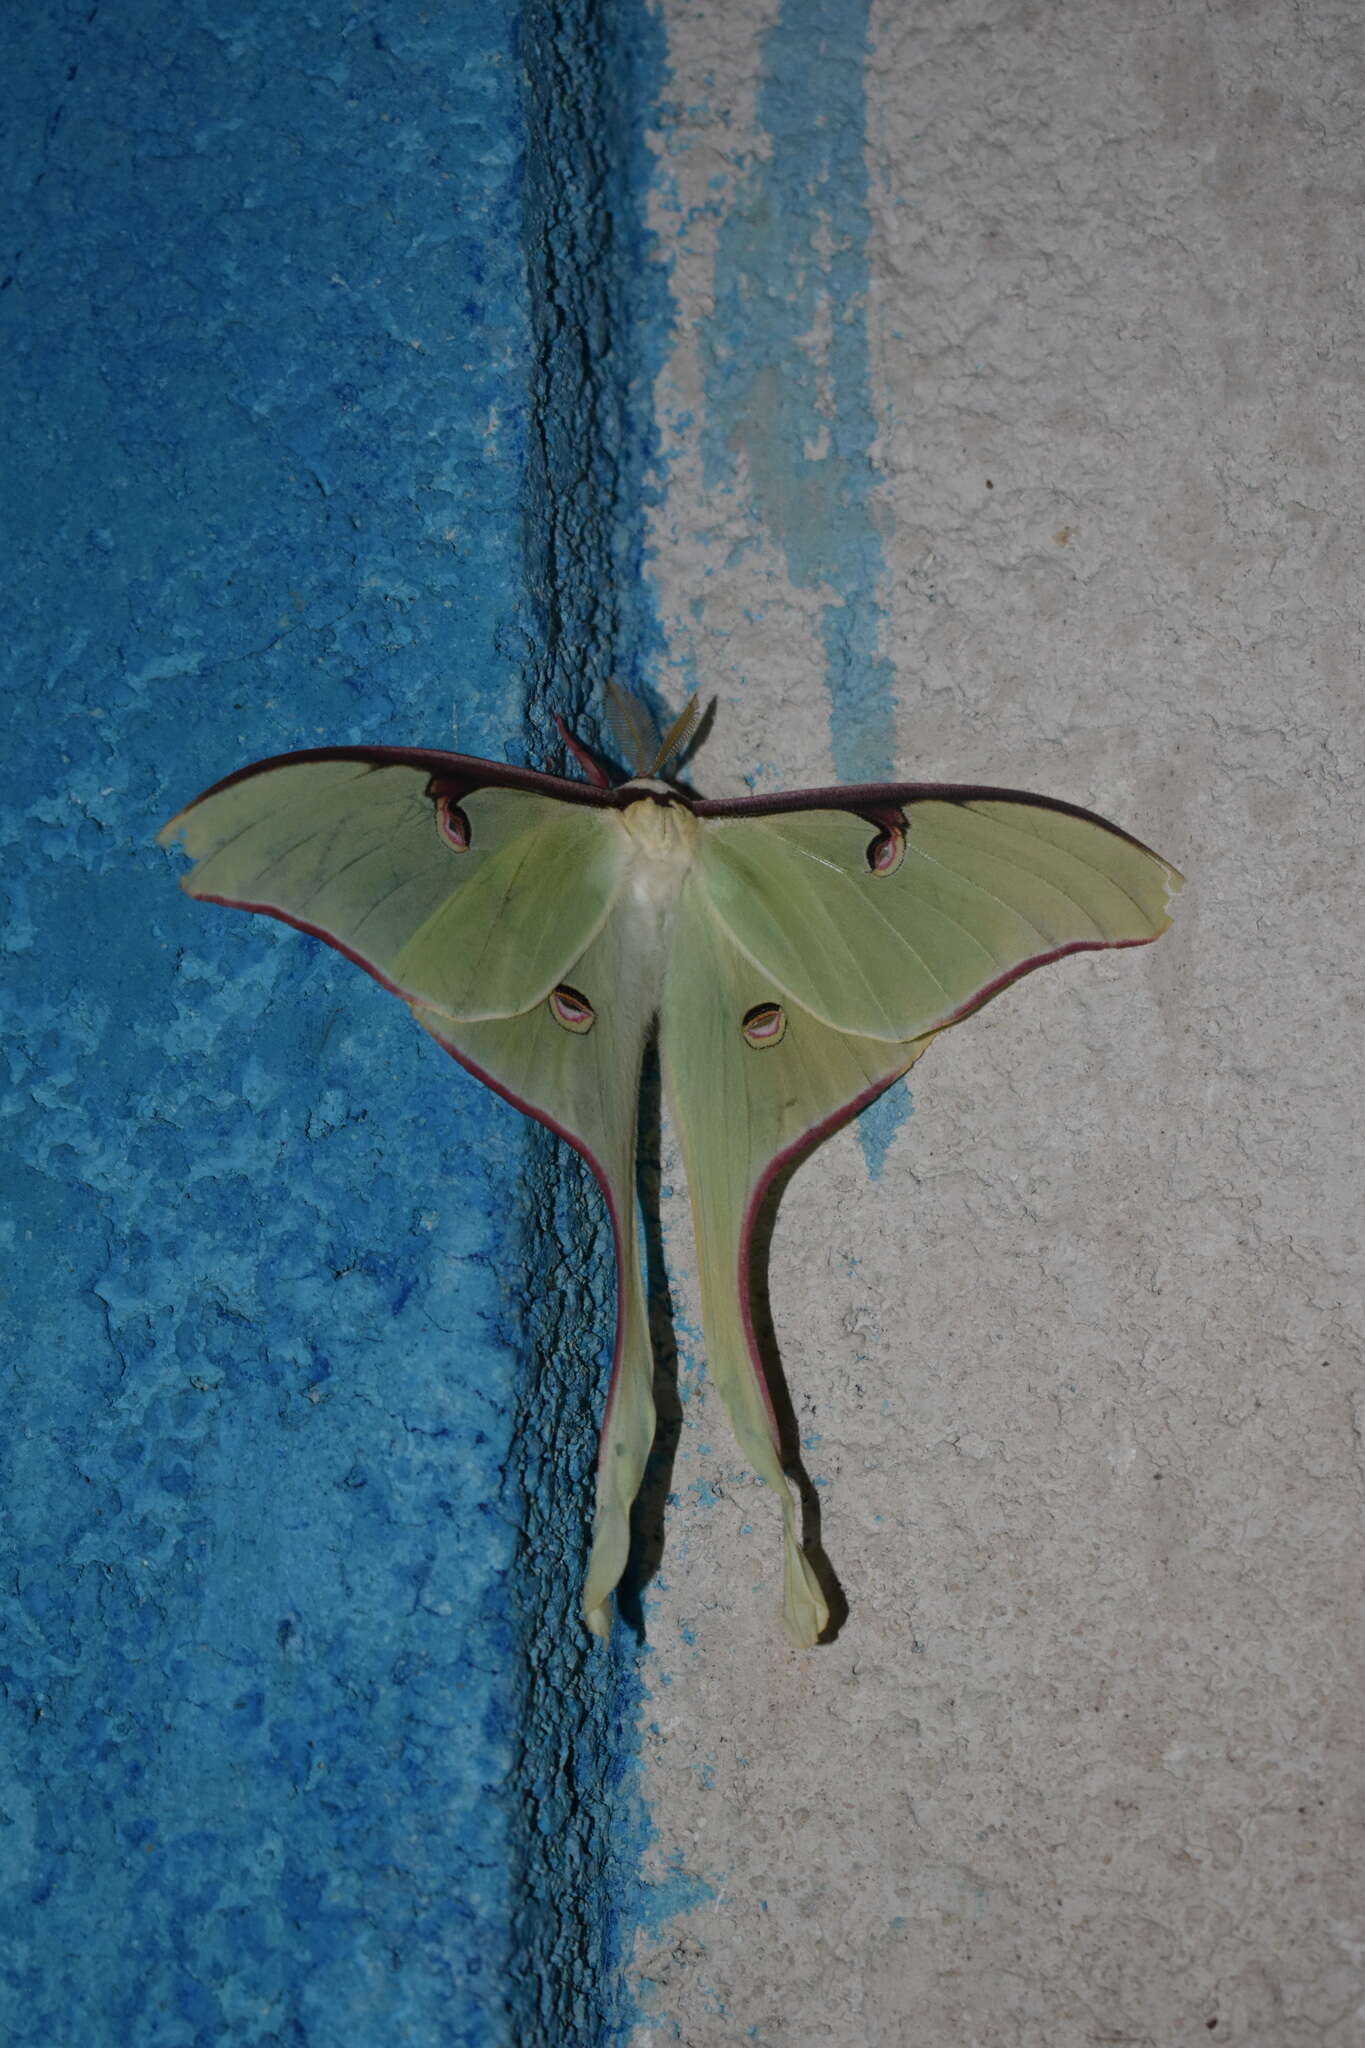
<point x="286" y="1758"/>
<point x="272" y="385"/>
<point x="1056" y="382"/>
<point x="579" y="1824"/>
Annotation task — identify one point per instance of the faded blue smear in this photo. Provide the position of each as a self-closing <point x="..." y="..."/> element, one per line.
<point x="787" y="378"/>
<point x="786" y="356"/>
<point x="879" y="1123"/>
<point x="677" y="1891"/>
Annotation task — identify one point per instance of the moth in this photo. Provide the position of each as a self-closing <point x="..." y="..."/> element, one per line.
<point x="794" y="953"/>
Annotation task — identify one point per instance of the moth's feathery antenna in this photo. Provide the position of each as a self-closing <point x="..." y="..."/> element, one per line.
<point x="679" y="733"/>
<point x="631" y="726"/>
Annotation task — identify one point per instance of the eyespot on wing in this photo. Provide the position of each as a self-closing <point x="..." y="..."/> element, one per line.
<point x="571" y="1009"/>
<point x="765" y="1025"/>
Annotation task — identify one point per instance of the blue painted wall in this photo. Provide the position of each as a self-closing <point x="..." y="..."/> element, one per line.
<point x="290" y="1748"/>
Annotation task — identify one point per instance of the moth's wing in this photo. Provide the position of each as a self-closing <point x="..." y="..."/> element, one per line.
<point x="976" y="888"/>
<point x="585" y="1084"/>
<point x="362" y="849"/>
<point x="743" y="1112"/>
<point x="870" y="928"/>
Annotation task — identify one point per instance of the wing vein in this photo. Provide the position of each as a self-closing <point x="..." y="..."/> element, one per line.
<point x="1068" y="853"/>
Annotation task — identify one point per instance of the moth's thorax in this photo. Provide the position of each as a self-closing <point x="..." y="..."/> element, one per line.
<point x="665" y="831"/>
<point x="662" y="838"/>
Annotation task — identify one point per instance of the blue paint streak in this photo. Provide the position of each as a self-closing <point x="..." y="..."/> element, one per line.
<point x="880" y="1122"/>
<point x="791" y="268"/>
<point x="786" y="354"/>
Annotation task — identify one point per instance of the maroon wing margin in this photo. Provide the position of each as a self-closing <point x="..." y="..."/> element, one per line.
<point x="874" y="800"/>
<point x="464" y="772"/>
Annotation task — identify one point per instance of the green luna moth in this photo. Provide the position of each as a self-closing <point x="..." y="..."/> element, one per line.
<point x="795" y="954"/>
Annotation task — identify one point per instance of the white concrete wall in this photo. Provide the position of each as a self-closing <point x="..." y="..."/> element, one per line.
<point x="1079" y="1371"/>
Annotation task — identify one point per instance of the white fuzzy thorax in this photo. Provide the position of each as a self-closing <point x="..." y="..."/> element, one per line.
<point x="663" y="837"/>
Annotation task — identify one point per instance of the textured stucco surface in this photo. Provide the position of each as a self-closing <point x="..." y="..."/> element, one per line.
<point x="1066" y="399"/>
<point x="259" y="1690"/>
<point x="596" y="311"/>
<point x="297" y="1452"/>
